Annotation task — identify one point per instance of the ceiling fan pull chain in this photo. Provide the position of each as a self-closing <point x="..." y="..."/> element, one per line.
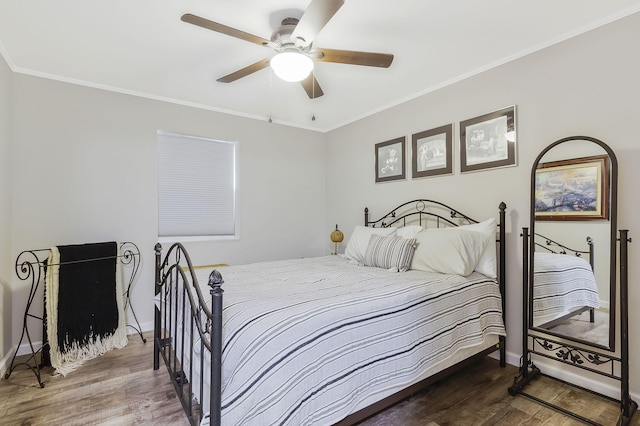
<point x="313" y="90"/>
<point x="270" y="98"/>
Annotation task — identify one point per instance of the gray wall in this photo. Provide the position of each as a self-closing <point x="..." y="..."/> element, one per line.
<point x="5" y="210"/>
<point x="85" y="170"/>
<point x="587" y="85"/>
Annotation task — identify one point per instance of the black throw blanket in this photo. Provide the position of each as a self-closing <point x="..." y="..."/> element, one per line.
<point x="87" y="306"/>
<point x="87" y="301"/>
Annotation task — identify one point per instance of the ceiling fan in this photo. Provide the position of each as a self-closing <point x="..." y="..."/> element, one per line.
<point x="293" y="41"/>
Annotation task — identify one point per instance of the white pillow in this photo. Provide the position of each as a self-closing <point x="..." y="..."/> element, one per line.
<point x="359" y="240"/>
<point x="390" y="253"/>
<point x="409" y="231"/>
<point x="448" y="251"/>
<point x="487" y="265"/>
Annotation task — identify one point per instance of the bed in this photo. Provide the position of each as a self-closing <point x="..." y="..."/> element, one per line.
<point x="564" y="282"/>
<point x="333" y="339"/>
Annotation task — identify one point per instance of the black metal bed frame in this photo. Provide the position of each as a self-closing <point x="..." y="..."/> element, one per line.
<point x="31" y="265"/>
<point x="198" y="328"/>
<point x="558" y="248"/>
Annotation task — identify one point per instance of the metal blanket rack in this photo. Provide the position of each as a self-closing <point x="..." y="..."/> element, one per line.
<point x="31" y="265"/>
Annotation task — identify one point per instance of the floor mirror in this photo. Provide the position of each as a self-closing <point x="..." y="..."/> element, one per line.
<point x="575" y="275"/>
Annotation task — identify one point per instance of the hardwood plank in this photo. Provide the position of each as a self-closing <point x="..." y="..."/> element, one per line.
<point x="121" y="388"/>
<point x="118" y="388"/>
<point x="478" y="396"/>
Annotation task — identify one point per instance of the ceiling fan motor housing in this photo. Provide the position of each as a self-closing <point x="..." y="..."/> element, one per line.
<point x="281" y="37"/>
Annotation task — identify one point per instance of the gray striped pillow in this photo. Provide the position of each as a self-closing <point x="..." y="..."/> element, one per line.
<point x="390" y="252"/>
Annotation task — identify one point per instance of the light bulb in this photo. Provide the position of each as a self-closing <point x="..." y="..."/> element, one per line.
<point x="291" y="66"/>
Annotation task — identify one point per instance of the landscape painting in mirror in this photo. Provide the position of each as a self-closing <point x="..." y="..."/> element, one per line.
<point x="574" y="189"/>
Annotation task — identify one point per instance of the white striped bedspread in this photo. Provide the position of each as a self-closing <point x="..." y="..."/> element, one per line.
<point x="562" y="283"/>
<point x="309" y="341"/>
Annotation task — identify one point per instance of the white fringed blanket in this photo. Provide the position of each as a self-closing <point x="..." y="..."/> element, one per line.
<point x="84" y="304"/>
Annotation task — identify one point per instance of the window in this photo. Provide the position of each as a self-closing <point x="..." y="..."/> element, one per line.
<point x="196" y="187"/>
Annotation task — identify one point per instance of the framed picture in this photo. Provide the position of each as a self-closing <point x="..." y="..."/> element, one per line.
<point x="390" y="156"/>
<point x="576" y="189"/>
<point x="488" y="141"/>
<point x="431" y="152"/>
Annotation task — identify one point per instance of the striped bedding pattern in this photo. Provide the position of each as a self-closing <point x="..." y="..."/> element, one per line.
<point x="563" y="283"/>
<point x="309" y="341"/>
<point x="390" y="252"/>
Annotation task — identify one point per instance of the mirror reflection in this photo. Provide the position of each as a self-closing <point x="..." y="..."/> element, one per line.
<point x="572" y="235"/>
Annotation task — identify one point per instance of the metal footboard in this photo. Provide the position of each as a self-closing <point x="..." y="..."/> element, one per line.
<point x="186" y="323"/>
<point x="187" y="329"/>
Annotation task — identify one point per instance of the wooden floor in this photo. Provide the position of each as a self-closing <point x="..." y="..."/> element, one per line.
<point x="121" y="388"/>
<point x="118" y="388"/>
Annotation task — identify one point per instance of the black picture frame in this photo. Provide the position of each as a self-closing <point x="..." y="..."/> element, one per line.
<point x="432" y="152"/>
<point x="488" y="141"/>
<point x="390" y="160"/>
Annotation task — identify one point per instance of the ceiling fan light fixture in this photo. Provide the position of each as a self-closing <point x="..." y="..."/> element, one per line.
<point x="291" y="66"/>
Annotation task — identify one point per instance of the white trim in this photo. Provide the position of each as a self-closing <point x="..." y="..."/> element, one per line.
<point x="4" y="363"/>
<point x="24" y="348"/>
<point x="191" y="239"/>
<point x="581" y="378"/>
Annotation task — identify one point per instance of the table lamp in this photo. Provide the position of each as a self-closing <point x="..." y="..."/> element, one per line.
<point x="336" y="237"/>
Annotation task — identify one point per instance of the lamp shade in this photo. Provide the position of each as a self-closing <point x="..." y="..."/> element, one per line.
<point x="291" y="66"/>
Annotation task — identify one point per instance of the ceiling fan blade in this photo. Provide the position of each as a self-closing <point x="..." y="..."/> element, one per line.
<point x="314" y="19"/>
<point x="312" y="87"/>
<point x="244" y="71"/>
<point x="223" y="29"/>
<point x="370" y="59"/>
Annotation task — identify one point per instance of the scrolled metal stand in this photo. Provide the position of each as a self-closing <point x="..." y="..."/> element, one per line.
<point x="575" y="356"/>
<point x="627" y="406"/>
<point x="130" y="255"/>
<point x="31" y="265"/>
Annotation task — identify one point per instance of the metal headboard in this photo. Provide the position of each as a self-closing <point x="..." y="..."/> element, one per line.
<point x="555" y="247"/>
<point x="420" y="212"/>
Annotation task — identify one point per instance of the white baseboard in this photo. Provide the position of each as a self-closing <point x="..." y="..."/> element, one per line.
<point x="594" y="382"/>
<point x="25" y="349"/>
<point x="144" y="327"/>
<point x="6" y="361"/>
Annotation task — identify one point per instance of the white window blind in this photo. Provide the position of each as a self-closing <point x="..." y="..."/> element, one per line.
<point x="196" y="186"/>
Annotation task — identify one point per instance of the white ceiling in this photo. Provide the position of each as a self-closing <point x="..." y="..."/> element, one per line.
<point x="142" y="47"/>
